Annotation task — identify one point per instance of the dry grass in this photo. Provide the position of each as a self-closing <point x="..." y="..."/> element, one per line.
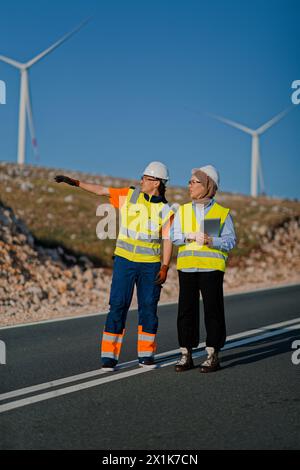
<point x="72" y="224"/>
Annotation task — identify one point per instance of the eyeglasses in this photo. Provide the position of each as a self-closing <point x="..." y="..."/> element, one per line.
<point x="147" y="178"/>
<point x="191" y="182"/>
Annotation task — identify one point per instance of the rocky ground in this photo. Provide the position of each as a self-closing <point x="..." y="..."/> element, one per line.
<point x="38" y="283"/>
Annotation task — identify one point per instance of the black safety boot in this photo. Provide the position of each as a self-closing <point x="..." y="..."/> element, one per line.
<point x="211" y="363"/>
<point x="186" y="360"/>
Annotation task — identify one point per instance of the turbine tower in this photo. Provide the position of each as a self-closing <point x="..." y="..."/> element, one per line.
<point x="256" y="168"/>
<point x="25" y="102"/>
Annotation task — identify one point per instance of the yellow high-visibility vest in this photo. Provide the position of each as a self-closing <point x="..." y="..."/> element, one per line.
<point x="140" y="236"/>
<point x="192" y="255"/>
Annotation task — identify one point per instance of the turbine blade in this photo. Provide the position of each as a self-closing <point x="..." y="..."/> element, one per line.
<point x="12" y="62"/>
<point x="273" y="121"/>
<point x="56" y="44"/>
<point x="31" y="124"/>
<point x="241" y="127"/>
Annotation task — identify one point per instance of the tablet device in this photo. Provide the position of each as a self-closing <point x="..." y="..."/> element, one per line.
<point x="212" y="227"/>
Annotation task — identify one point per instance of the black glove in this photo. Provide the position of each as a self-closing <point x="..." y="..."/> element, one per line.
<point x="66" y="179"/>
<point x="162" y="275"/>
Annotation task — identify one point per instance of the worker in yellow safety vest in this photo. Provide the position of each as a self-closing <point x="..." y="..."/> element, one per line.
<point x="201" y="264"/>
<point x="146" y="218"/>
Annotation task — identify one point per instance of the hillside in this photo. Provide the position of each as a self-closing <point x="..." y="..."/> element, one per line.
<point x="53" y="264"/>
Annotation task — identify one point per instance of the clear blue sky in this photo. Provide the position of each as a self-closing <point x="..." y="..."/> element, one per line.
<point x="120" y="93"/>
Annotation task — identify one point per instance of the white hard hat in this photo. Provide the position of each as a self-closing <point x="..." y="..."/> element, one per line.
<point x="210" y="171"/>
<point x="157" y="170"/>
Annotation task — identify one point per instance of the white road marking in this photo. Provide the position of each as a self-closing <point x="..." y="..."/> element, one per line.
<point x="126" y="365"/>
<point x="243" y="342"/>
<point x="163" y="304"/>
<point x="263" y="333"/>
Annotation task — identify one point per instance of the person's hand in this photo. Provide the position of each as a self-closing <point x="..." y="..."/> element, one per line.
<point x="207" y="240"/>
<point x="203" y="239"/>
<point x="66" y="179"/>
<point x="162" y="275"/>
<point x="200" y="238"/>
<point x="191" y="237"/>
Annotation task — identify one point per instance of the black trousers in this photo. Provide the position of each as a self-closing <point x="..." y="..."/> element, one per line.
<point x="210" y="284"/>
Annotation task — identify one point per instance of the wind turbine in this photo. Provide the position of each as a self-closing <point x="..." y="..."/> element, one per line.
<point x="256" y="168"/>
<point x="25" y="102"/>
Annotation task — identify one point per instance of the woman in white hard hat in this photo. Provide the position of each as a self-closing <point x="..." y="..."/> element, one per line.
<point x="136" y="260"/>
<point x="201" y="265"/>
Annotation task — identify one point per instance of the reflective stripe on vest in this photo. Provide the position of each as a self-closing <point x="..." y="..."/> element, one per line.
<point x="203" y="254"/>
<point x="137" y="236"/>
<point x="138" y="249"/>
<point x="134" y="196"/>
<point x="140" y="242"/>
<point x="192" y="255"/>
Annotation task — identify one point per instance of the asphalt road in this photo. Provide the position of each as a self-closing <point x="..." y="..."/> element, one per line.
<point x="252" y="403"/>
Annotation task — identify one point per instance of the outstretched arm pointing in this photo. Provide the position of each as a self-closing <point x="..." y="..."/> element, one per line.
<point x="91" y="188"/>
